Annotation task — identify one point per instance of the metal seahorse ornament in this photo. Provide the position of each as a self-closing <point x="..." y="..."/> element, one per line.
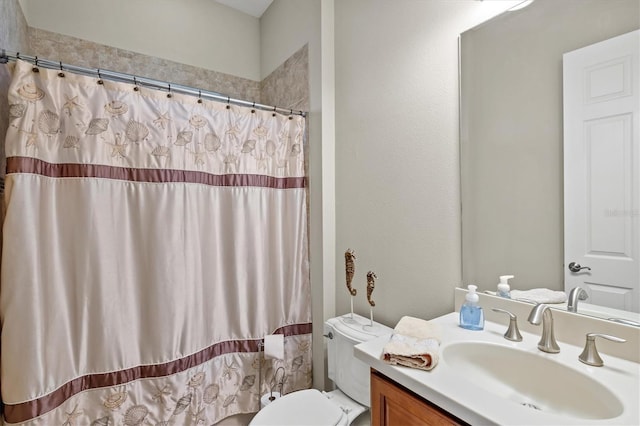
<point x="350" y="267"/>
<point x="371" y="284"/>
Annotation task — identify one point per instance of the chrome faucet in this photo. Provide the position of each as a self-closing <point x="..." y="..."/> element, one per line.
<point x="542" y="313"/>
<point x="576" y="293"/>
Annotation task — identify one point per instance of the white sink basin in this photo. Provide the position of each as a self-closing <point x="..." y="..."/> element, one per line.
<point x="533" y="380"/>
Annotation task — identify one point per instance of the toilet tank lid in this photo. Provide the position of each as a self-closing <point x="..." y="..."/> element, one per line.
<point x="357" y="328"/>
<point x="306" y="407"/>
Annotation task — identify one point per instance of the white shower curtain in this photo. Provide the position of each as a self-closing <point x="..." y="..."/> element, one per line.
<point x="150" y="243"/>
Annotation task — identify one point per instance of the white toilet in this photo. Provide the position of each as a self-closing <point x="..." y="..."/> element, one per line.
<point x="311" y="407"/>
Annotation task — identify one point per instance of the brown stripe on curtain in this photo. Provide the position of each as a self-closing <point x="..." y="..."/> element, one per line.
<point x="75" y="170"/>
<point x="15" y="413"/>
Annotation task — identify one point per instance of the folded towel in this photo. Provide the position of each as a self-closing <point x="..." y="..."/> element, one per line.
<point x="540" y="295"/>
<point x="414" y="343"/>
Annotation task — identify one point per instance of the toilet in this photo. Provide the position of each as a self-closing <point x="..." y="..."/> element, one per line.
<point x="341" y="406"/>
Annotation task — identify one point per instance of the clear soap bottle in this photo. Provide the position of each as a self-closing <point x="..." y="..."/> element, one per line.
<point x="471" y="314"/>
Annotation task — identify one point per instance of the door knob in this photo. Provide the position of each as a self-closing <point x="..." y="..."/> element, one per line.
<point x="575" y="267"/>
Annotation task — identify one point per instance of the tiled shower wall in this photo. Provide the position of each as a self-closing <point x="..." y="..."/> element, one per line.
<point x="286" y="87"/>
<point x="85" y="53"/>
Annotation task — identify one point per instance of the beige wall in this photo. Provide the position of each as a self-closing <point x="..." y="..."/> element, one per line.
<point x="512" y="162"/>
<point x="201" y="33"/>
<point x="76" y="51"/>
<point x="397" y="173"/>
<point x="285" y="27"/>
<point x="13" y="27"/>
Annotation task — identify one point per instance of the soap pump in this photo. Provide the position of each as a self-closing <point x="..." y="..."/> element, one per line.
<point x="471" y="314"/>
<point x="504" y="290"/>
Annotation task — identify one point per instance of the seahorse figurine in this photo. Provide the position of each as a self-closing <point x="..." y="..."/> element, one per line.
<point x="371" y="284"/>
<point x="350" y="266"/>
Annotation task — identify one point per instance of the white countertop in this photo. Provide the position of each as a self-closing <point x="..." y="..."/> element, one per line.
<point x="473" y="403"/>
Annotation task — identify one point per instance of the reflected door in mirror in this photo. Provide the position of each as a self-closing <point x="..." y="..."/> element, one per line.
<point x="602" y="171"/>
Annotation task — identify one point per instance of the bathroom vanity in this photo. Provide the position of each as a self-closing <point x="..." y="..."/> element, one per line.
<point x="482" y="378"/>
<point x="393" y="404"/>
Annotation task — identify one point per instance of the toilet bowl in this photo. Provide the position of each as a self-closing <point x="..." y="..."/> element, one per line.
<point x="341" y="406"/>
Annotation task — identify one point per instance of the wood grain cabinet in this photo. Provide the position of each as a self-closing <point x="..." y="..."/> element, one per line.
<point x="394" y="405"/>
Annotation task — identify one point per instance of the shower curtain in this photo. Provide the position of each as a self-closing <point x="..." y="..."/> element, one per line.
<point x="151" y="241"/>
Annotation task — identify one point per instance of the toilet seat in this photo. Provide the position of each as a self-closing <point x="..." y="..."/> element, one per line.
<point x="305" y="407"/>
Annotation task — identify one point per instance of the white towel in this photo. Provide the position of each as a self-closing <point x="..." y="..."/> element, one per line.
<point x="540" y="295"/>
<point x="414" y="343"/>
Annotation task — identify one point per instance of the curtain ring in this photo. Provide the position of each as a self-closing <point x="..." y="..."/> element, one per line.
<point x="60" y="74"/>
<point x="169" y="94"/>
<point x="199" y="96"/>
<point x="100" y="78"/>
<point x="35" y="66"/>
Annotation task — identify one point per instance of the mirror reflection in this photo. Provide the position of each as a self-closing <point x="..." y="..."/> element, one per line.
<point x="512" y="142"/>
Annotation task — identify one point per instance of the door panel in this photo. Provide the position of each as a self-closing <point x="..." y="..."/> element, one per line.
<point x="602" y="170"/>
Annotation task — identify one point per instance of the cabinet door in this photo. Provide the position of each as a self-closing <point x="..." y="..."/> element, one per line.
<point x="393" y="405"/>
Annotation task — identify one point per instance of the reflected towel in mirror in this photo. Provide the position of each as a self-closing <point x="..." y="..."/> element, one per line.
<point x="539" y="295"/>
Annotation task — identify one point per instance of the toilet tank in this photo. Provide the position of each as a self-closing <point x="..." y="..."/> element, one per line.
<point x="349" y="374"/>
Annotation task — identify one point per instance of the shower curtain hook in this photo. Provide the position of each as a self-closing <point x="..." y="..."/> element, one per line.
<point x="199" y="96"/>
<point x="273" y="114"/>
<point x="135" y="82"/>
<point x="99" y="78"/>
<point x="253" y="108"/>
<point x="35" y="67"/>
<point x="169" y="94"/>
<point x="291" y="114"/>
<point x="60" y="74"/>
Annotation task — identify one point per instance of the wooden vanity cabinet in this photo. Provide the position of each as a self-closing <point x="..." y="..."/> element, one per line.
<point x="394" y="405"/>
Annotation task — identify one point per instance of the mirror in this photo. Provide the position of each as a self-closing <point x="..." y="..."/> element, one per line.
<point x="511" y="136"/>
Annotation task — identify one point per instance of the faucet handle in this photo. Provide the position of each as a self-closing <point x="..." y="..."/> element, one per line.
<point x="590" y="355"/>
<point x="512" y="332"/>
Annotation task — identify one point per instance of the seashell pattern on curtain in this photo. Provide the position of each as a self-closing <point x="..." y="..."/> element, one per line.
<point x="150" y="243"/>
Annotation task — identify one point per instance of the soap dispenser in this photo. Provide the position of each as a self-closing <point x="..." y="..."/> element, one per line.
<point x="504" y="290"/>
<point x="471" y="314"/>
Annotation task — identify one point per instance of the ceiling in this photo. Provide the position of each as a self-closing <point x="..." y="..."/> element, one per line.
<point x="251" y="7"/>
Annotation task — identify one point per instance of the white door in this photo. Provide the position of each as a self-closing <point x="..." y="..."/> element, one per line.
<point x="602" y="171"/>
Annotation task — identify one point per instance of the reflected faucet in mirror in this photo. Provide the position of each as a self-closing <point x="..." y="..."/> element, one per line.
<point x="577" y="293"/>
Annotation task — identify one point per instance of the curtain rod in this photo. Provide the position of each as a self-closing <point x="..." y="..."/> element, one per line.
<point x="141" y="81"/>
